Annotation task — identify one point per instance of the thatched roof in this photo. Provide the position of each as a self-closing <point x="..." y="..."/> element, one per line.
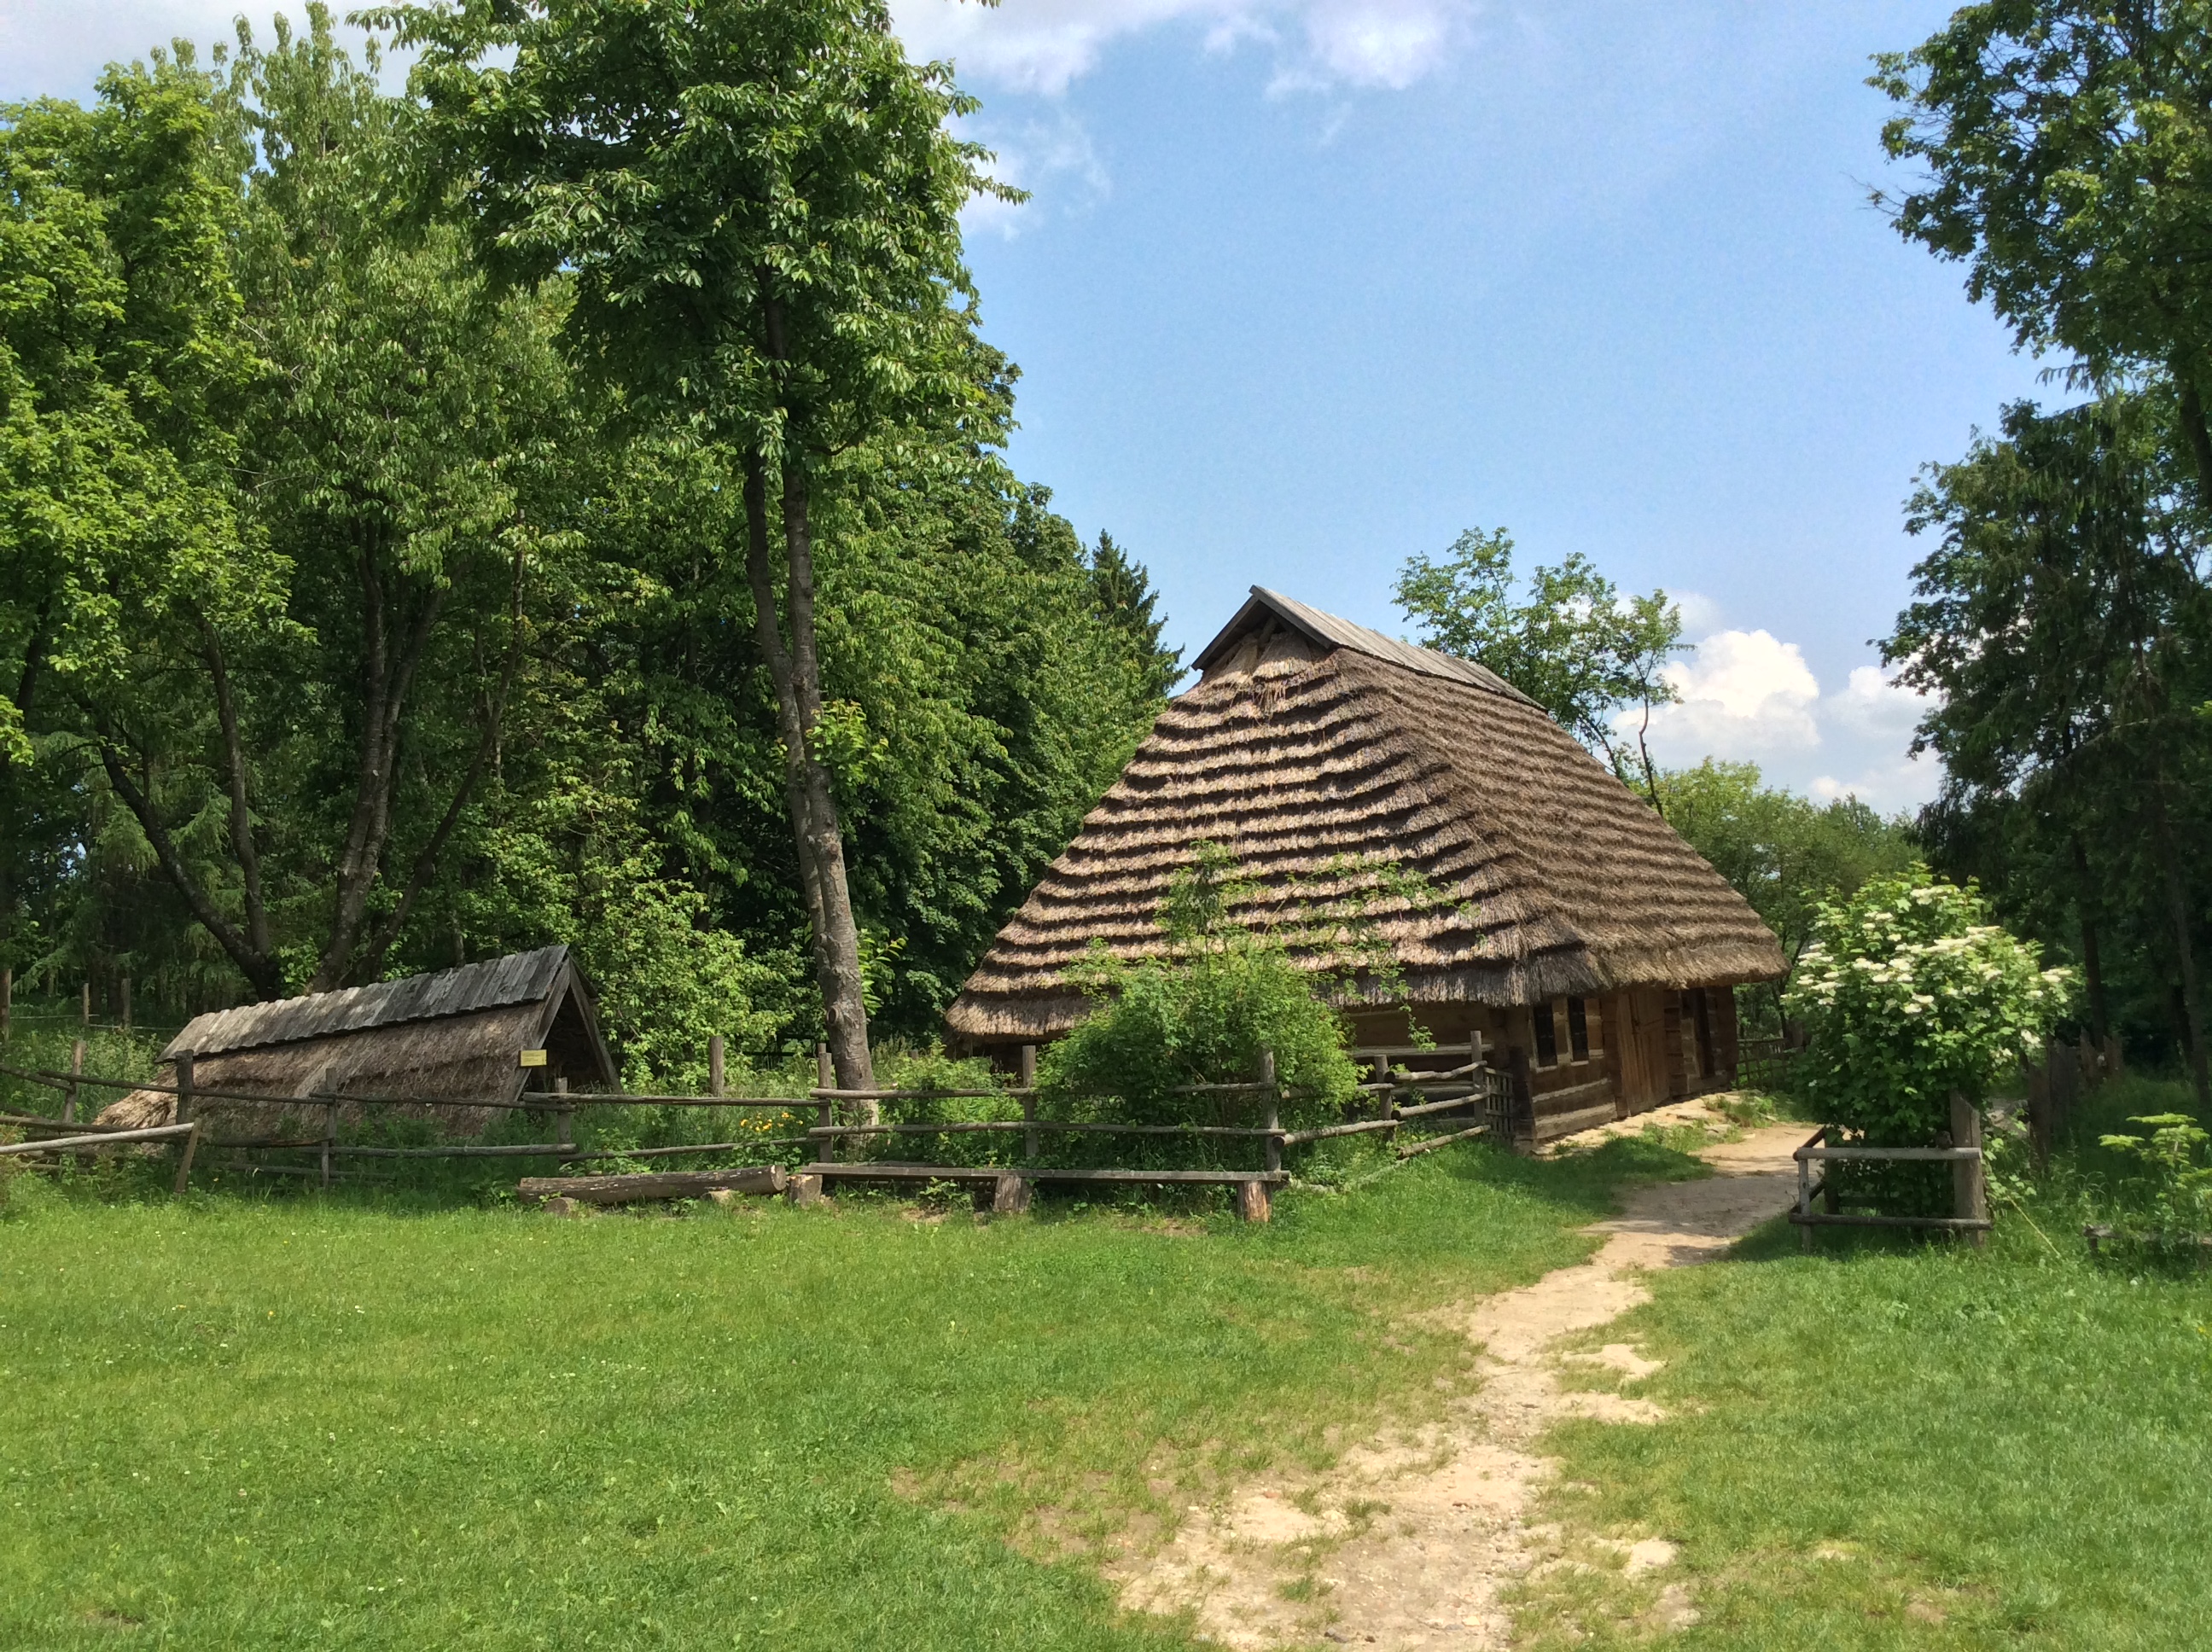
<point x="1311" y="742"/>
<point x="456" y="1036"/>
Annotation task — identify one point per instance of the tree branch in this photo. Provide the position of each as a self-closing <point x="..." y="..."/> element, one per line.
<point x="241" y="817"/>
<point x="258" y="967"/>
<point x="372" y="959"/>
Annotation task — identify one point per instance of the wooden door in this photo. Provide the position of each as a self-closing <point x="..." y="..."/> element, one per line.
<point x="1641" y="1028"/>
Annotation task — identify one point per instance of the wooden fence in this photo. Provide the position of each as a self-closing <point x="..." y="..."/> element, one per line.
<point x="2064" y="1074"/>
<point x="1417" y="1111"/>
<point x="1970" y="1205"/>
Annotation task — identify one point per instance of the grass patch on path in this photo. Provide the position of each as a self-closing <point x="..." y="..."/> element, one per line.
<point x="316" y="1423"/>
<point x="1892" y="1444"/>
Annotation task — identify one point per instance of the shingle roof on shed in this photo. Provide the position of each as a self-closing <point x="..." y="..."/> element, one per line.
<point x="1312" y="742"/>
<point x="518" y="978"/>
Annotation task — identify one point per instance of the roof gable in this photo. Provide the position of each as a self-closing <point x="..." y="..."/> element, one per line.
<point x="1327" y="631"/>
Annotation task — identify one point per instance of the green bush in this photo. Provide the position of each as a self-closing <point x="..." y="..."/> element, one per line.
<point x="1910" y="992"/>
<point x="1201" y="1014"/>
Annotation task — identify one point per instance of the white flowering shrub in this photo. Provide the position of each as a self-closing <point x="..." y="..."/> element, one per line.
<point x="1908" y="992"/>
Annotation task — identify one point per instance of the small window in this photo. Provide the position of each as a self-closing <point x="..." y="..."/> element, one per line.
<point x="1548" y="1036"/>
<point x="1578" y="1028"/>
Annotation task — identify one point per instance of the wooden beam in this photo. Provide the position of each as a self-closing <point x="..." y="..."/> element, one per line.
<point x="653" y="1185"/>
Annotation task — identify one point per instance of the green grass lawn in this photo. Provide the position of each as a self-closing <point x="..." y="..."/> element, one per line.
<point x="1902" y="1444"/>
<point x="311" y="1422"/>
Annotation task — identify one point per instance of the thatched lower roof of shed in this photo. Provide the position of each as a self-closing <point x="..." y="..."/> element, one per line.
<point x="457" y="1036"/>
<point x="1300" y="755"/>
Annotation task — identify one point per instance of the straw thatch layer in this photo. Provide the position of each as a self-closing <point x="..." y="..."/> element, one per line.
<point x="1300" y="751"/>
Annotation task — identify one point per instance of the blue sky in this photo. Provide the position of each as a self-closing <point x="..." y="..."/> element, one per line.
<point x="1308" y="286"/>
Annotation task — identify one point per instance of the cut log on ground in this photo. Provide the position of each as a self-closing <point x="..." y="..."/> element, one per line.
<point x="667" y="1184"/>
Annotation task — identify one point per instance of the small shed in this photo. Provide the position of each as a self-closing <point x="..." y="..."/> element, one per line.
<point x="457" y="1036"/>
<point x="1575" y="924"/>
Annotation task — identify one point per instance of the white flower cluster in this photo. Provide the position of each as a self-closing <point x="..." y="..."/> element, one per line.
<point x="1910" y="990"/>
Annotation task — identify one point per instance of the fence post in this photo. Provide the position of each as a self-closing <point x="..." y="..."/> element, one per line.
<point x="76" y="1066"/>
<point x="1029" y="1104"/>
<point x="330" y="1139"/>
<point x="564" y="1114"/>
<point x="1523" y="1102"/>
<point x="1805" y="1198"/>
<point x="126" y="1004"/>
<point x="184" y="1164"/>
<point x="191" y="1141"/>
<point x="2040" y="1132"/>
<point x="7" y="999"/>
<point x="1969" y="1194"/>
<point x="714" y="1068"/>
<point x="825" y="1077"/>
<point x="84" y="1004"/>
<point x="1275" y="1111"/>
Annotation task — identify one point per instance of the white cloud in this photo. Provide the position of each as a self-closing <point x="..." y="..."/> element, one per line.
<point x="1900" y="784"/>
<point x="1875" y="705"/>
<point x="1744" y="694"/>
<point x="1749" y="697"/>
<point x="1041" y="156"/>
<point x="1701" y="614"/>
<point x="1044" y="45"/>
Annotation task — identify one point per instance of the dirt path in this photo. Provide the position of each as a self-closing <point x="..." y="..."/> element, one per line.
<point x="1407" y="1543"/>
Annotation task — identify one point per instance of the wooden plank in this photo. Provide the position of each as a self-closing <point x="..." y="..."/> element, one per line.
<point x="651" y="1185"/>
<point x="100" y="1139"/>
<point x="1552" y="1127"/>
<point x="1411" y="1149"/>
<point x="1571" y="1099"/>
<point x="1822" y="1219"/>
<point x="1930" y="1154"/>
<point x="863" y="1172"/>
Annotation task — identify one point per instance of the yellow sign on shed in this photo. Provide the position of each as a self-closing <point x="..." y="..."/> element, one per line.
<point x="533" y="1058"/>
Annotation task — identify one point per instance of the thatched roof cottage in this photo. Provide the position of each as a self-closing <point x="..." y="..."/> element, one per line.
<point x="1576" y="925"/>
<point x="457" y="1036"/>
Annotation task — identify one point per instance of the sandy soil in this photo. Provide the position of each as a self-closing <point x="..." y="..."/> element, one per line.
<point x="1408" y="1542"/>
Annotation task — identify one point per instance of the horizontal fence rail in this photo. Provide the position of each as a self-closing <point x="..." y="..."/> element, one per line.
<point x="1458" y="1102"/>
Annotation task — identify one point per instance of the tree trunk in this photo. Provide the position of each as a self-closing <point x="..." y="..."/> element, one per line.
<point x="2191" y="411"/>
<point x="386" y="681"/>
<point x="2093" y="967"/>
<point x="2177" y="907"/>
<point x="795" y="674"/>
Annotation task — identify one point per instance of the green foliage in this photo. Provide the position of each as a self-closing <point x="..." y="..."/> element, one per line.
<point x="1200" y="1014"/>
<point x="2173" y="1149"/>
<point x="1574" y="645"/>
<point x="2062" y="633"/>
<point x="572" y="736"/>
<point x="2065" y="144"/>
<point x="1782" y="851"/>
<point x="1908" y="992"/>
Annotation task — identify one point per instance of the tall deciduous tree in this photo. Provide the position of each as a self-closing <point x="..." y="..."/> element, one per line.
<point x="1573" y="643"/>
<point x="2062" y="631"/>
<point x="756" y="205"/>
<point x="2069" y="152"/>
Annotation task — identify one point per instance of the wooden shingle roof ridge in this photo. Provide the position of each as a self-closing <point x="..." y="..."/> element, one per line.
<point x="1331" y="630"/>
<point x="518" y="978"/>
<point x="1304" y="748"/>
